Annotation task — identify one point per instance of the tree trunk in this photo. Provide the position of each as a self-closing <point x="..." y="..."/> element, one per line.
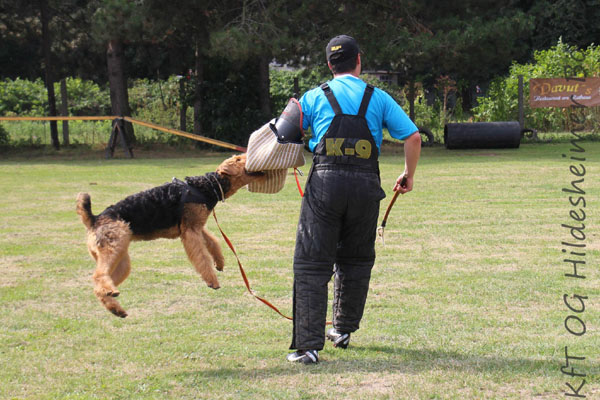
<point x="411" y="100"/>
<point x="467" y="98"/>
<point x="198" y="90"/>
<point x="46" y="42"/>
<point x="264" y="94"/>
<point x="183" y="105"/>
<point x="119" y="98"/>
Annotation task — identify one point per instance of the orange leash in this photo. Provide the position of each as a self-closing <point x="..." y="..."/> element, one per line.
<point x="244" y="273"/>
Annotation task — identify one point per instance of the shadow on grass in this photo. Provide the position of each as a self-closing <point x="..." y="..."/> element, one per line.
<point x="388" y="359"/>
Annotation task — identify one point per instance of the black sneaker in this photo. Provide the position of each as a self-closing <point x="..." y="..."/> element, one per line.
<point x="339" y="339"/>
<point x="304" y="356"/>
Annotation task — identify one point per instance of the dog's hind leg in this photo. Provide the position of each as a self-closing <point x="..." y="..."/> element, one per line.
<point x="106" y="264"/>
<point x="118" y="275"/>
<point x="110" y="243"/>
<point x="108" y="275"/>
<point x="113" y="306"/>
<point x="212" y="244"/>
<point x="111" y="271"/>
<point x="195" y="247"/>
<point x="121" y="272"/>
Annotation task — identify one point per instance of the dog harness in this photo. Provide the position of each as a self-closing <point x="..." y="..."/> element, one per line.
<point x="193" y="194"/>
<point x="162" y="207"/>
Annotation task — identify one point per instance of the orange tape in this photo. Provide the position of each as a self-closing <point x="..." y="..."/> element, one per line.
<point x="59" y="118"/>
<point x="134" y="121"/>
<point x="186" y="134"/>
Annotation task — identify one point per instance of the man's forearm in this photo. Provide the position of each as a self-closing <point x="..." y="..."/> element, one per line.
<point x="412" y="152"/>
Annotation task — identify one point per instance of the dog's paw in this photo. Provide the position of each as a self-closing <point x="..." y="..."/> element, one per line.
<point x="219" y="263"/>
<point x="119" y="312"/>
<point x="106" y="292"/>
<point x="114" y="307"/>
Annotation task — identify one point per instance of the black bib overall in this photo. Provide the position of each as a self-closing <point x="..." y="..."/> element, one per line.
<point x="337" y="227"/>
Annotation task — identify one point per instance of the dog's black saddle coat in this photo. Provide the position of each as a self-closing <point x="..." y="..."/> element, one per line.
<point x="162" y="207"/>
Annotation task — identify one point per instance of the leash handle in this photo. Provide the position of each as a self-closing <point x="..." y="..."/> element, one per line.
<point x="387" y="212"/>
<point x="244" y="277"/>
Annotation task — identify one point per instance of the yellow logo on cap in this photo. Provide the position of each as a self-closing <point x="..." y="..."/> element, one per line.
<point x="334" y="48"/>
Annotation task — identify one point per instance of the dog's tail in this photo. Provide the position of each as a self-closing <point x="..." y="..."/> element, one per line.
<point x="84" y="209"/>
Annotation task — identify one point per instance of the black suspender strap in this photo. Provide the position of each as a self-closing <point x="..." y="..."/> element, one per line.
<point x="365" y="101"/>
<point x="332" y="101"/>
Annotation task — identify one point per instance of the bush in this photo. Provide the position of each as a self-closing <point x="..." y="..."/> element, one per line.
<point x="501" y="103"/>
<point x="4" y="137"/>
<point x="282" y="84"/>
<point x="22" y="97"/>
<point x="85" y="97"/>
<point x="29" y="98"/>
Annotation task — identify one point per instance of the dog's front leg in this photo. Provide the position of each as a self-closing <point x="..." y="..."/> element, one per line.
<point x="196" y="249"/>
<point x="212" y="244"/>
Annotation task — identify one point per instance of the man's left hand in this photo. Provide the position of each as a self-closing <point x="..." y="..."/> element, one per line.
<point x="403" y="187"/>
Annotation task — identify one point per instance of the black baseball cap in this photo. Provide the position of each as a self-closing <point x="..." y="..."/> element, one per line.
<point x="341" y="48"/>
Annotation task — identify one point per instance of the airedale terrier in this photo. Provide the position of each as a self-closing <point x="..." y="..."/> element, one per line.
<point x="175" y="209"/>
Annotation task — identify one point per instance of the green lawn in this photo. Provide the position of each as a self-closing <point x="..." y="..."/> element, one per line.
<point x="465" y="302"/>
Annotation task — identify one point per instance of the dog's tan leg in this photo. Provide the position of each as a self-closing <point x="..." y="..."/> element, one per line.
<point x="212" y="244"/>
<point x="195" y="247"/>
<point x="109" y="273"/>
<point x="118" y="275"/>
<point x="110" y="246"/>
<point x="121" y="272"/>
<point x="103" y="283"/>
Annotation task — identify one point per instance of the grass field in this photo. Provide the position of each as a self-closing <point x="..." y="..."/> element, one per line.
<point x="466" y="300"/>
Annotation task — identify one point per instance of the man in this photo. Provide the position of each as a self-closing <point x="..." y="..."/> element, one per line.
<point x="338" y="218"/>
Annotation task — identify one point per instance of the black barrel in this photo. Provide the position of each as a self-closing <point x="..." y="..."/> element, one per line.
<point x="482" y="135"/>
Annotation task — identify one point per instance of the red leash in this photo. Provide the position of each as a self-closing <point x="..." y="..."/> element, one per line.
<point x="298" y="182"/>
<point x="244" y="273"/>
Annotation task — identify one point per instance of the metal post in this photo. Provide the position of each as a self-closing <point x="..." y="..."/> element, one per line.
<point x="118" y="134"/>
<point x="521" y="116"/>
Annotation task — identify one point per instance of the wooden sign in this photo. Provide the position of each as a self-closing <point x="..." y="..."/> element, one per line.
<point x="564" y="92"/>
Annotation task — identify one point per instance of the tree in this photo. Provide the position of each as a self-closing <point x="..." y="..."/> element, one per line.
<point x="575" y="21"/>
<point x="116" y="22"/>
<point x="20" y="35"/>
<point x="256" y="32"/>
<point x="469" y="40"/>
<point x="49" y="68"/>
<point x="184" y="25"/>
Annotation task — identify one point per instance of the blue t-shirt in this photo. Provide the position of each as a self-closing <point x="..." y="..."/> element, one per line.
<point x="383" y="111"/>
